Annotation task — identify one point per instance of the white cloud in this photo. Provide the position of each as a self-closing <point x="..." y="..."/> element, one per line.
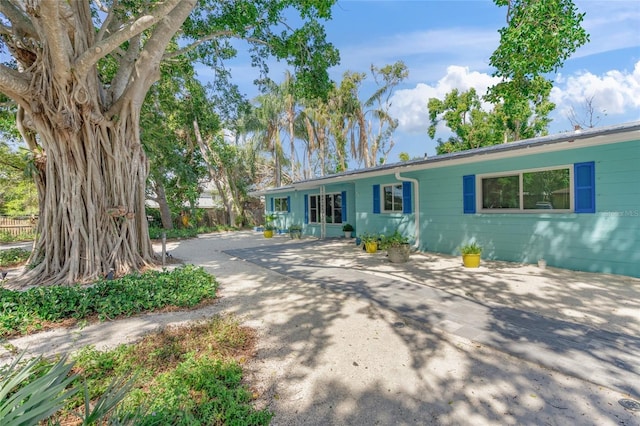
<point x="409" y="106"/>
<point x="426" y="53"/>
<point x="614" y="92"/>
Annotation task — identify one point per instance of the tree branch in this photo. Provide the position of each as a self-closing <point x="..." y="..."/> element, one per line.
<point x="5" y="30"/>
<point x="103" y="47"/>
<point x="107" y="21"/>
<point x="59" y="45"/>
<point x="126" y="63"/>
<point x="147" y="68"/>
<point x="190" y="47"/>
<point x="13" y="83"/>
<point x="19" y="20"/>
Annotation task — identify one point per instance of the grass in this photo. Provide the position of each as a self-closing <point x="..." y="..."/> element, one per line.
<point x="189" y="375"/>
<point x="23" y="312"/>
<point x="184" y="375"/>
<point x="13" y="257"/>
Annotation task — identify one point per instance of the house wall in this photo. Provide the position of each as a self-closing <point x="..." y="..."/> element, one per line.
<point x="382" y="223"/>
<point x="297" y="214"/>
<point x="605" y="241"/>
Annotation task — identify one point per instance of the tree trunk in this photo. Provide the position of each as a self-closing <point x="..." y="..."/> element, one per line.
<point x="219" y="176"/>
<point x="92" y="195"/>
<point x="277" y="149"/>
<point x="292" y="138"/>
<point x="165" y="212"/>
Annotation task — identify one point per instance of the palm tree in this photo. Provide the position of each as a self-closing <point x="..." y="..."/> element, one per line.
<point x="387" y="78"/>
<point x="269" y="113"/>
<point x="289" y="101"/>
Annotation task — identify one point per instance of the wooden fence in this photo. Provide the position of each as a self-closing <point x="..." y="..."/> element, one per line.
<point x="18" y="225"/>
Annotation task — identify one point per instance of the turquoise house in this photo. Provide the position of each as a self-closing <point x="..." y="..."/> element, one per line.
<point x="572" y="199"/>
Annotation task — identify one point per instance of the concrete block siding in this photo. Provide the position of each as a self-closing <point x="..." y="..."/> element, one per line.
<point x="607" y="240"/>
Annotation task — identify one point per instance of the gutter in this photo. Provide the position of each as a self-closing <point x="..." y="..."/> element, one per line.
<point x="416" y="244"/>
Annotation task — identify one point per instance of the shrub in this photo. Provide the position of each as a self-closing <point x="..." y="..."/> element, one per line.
<point x="31" y="310"/>
<point x="394" y="240"/>
<point x="13" y="256"/>
<point x="6" y="237"/>
<point x="176" y="233"/>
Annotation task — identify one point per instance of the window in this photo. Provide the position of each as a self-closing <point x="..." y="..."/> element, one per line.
<point x="501" y="192"/>
<point x="548" y="189"/>
<point x="332" y="208"/>
<point x="281" y="204"/>
<point x="392" y="198"/>
<point x="395" y="198"/>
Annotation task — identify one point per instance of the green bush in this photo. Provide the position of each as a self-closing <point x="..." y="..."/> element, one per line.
<point x="6" y="237"/>
<point x="22" y="312"/>
<point x="156" y="233"/>
<point x="13" y="256"/>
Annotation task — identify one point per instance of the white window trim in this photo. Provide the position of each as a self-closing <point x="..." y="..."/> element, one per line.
<point x="382" y="209"/>
<point x="275" y="205"/>
<point x="320" y="211"/>
<point x="520" y="173"/>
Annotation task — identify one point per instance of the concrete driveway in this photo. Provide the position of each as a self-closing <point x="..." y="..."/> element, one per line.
<point x="349" y="338"/>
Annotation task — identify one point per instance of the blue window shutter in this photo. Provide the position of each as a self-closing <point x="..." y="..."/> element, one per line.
<point x="306" y="208"/>
<point x="344" y="206"/>
<point x="376" y="198"/>
<point x="407" y="208"/>
<point x="584" y="191"/>
<point x="288" y="204"/>
<point x="469" y="194"/>
<point x="272" y="208"/>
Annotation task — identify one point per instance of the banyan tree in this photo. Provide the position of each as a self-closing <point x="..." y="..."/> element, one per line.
<point x="79" y="75"/>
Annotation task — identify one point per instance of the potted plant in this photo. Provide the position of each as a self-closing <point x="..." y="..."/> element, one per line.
<point x="397" y="247"/>
<point x="295" y="232"/>
<point x="370" y="242"/>
<point x="268" y="225"/>
<point x="471" y="255"/>
<point x="348" y="229"/>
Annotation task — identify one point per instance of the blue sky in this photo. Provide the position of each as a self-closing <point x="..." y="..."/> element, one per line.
<point x="447" y="44"/>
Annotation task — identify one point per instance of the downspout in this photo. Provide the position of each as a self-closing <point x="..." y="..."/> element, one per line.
<point x="416" y="245"/>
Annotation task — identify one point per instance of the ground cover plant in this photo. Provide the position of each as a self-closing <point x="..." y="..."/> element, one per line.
<point x="13" y="256"/>
<point x="22" y="312"/>
<point x="188" y="375"/>
<point x="6" y="237"/>
<point x="155" y="233"/>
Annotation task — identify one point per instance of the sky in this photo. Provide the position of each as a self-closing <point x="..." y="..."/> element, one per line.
<point x="447" y="45"/>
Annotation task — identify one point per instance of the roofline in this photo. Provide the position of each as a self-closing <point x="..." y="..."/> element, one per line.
<point x="540" y="141"/>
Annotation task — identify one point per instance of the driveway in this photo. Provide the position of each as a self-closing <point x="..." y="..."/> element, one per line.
<point x="586" y="325"/>
<point x="346" y="338"/>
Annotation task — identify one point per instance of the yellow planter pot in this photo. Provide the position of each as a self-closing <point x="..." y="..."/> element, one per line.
<point x="471" y="260"/>
<point x="268" y="233"/>
<point x="371" y="247"/>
